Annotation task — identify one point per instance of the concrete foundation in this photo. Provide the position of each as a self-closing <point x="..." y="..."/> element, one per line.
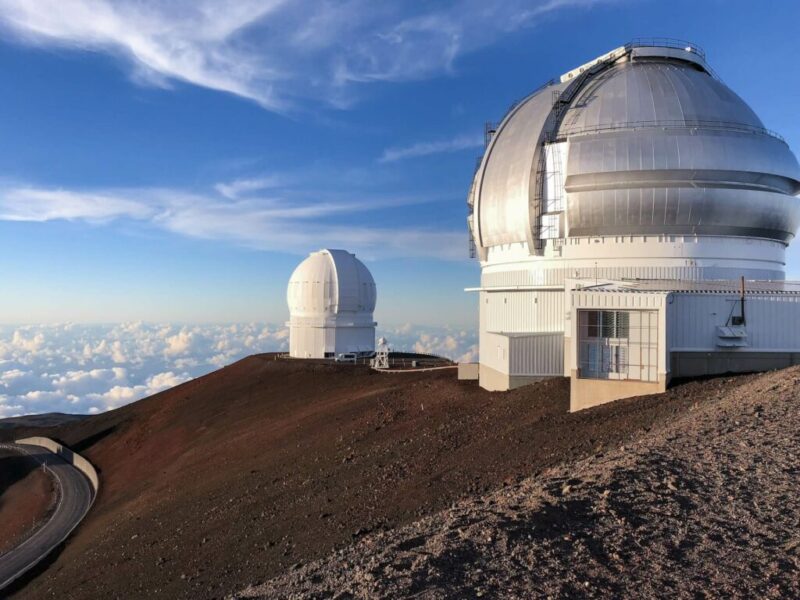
<point x="495" y="381"/>
<point x="585" y="393"/>
<point x="468" y="371"/>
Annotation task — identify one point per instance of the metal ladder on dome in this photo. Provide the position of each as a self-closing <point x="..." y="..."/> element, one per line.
<point x="561" y="101"/>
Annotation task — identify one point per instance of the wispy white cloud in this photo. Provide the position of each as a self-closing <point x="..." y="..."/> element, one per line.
<point x="277" y="223"/>
<point x="37" y="204"/>
<point x="461" y="142"/>
<point x="275" y="52"/>
<point x="239" y="187"/>
<point x="186" y="40"/>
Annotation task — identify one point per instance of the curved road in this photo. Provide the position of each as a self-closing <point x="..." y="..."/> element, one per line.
<point x="75" y="497"/>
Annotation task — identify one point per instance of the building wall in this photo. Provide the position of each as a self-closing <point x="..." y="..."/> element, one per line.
<point x="524" y="311"/>
<point x="536" y="355"/>
<point x="353" y="339"/>
<point x="521" y="334"/>
<point x="772" y="326"/>
<point x="525" y="275"/>
<point x="546" y="309"/>
<point x="493" y="349"/>
<point x="632" y="256"/>
<point x="773" y="321"/>
<point x="307" y="341"/>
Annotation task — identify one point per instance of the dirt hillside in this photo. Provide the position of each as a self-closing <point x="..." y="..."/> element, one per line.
<point x="704" y="506"/>
<point x="233" y="478"/>
<point x="43" y="420"/>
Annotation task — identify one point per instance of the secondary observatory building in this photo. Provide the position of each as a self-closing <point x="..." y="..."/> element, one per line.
<point x="631" y="220"/>
<point x="331" y="299"/>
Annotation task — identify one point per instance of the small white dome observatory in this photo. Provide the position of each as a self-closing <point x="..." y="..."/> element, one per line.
<point x="331" y="297"/>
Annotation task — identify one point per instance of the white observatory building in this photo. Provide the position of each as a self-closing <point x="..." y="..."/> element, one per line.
<point x="631" y="220"/>
<point x="331" y="297"/>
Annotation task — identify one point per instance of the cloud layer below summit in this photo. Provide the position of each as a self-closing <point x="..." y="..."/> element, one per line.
<point x="89" y="369"/>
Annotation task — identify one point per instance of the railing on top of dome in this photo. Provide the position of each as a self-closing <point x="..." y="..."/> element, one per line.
<point x="667" y="124"/>
<point x="662" y="42"/>
<point x="677" y="45"/>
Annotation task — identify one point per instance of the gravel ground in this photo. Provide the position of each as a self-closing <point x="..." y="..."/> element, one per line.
<point x="704" y="505"/>
<point x="234" y="477"/>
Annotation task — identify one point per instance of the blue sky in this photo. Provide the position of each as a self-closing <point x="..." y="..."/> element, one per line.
<point x="173" y="161"/>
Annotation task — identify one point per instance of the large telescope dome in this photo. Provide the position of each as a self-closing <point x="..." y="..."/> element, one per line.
<point x="640" y="164"/>
<point x="331" y="297"/>
<point x="652" y="142"/>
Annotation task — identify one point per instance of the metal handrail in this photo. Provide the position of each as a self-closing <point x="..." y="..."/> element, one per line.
<point x="660" y="42"/>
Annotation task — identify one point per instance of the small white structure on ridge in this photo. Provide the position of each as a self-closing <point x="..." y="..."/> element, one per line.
<point x="381" y="360"/>
<point x="331" y="297"/>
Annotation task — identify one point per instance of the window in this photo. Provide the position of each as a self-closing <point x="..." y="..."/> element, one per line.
<point x="618" y="344"/>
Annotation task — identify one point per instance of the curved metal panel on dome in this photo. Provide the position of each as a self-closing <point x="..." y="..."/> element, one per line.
<point x="331" y="282"/>
<point x="356" y="287"/>
<point x="656" y="145"/>
<point x="698" y="180"/>
<point x="653" y="92"/>
<point x="683" y="210"/>
<point x="503" y="183"/>
<point x="665" y="149"/>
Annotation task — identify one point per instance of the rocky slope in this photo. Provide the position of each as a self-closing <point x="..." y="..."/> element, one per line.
<point x="703" y="505"/>
<point x="235" y="477"/>
<point x="43" y="420"/>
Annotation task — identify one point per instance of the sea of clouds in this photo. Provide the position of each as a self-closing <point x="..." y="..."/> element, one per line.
<point x="89" y="369"/>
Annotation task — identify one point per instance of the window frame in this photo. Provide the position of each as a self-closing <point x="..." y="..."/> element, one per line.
<point x="607" y="350"/>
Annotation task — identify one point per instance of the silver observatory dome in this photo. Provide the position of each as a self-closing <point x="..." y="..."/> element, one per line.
<point x="638" y="166"/>
<point x="645" y="140"/>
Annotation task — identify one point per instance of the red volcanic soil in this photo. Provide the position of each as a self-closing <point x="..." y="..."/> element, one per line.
<point x="26" y="497"/>
<point x="244" y="473"/>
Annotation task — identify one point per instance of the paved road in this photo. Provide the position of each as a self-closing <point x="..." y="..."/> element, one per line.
<point x="74" y="500"/>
